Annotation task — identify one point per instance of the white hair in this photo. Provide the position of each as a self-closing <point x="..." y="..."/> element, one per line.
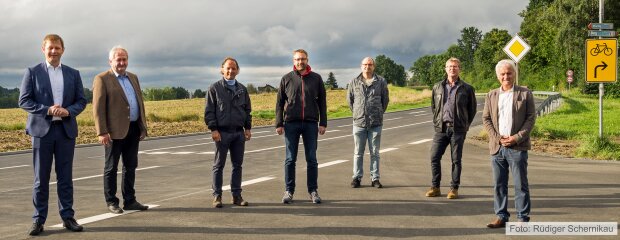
<point x="116" y="49"/>
<point x="505" y="62"/>
<point x="369" y="58"/>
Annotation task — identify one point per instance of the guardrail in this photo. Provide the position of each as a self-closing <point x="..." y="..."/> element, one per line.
<point x="552" y="102"/>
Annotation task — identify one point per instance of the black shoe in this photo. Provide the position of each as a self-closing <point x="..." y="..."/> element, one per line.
<point x="114" y="208"/>
<point x="355" y="183"/>
<point x="377" y="184"/>
<point x="36" y="229"/>
<point x="135" y="206"/>
<point x="71" y="224"/>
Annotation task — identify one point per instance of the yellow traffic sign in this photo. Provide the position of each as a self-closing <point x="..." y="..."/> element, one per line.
<point x="601" y="60"/>
<point x="516" y="48"/>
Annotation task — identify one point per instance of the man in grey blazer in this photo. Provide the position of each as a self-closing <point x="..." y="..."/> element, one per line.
<point x="52" y="94"/>
<point x="508" y="117"/>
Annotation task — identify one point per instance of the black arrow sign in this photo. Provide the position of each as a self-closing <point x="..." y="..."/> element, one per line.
<point x="604" y="65"/>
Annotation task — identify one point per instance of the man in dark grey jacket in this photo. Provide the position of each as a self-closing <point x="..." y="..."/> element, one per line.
<point x="454" y="108"/>
<point x="368" y="98"/>
<point x="227" y="114"/>
<point x="301" y="110"/>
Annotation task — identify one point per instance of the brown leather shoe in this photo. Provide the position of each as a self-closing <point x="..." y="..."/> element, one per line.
<point x="217" y="201"/>
<point x="453" y="194"/>
<point x="239" y="201"/>
<point x="433" y="192"/>
<point x="498" y="223"/>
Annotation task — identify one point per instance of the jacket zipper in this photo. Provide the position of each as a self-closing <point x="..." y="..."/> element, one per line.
<point x="303" y="103"/>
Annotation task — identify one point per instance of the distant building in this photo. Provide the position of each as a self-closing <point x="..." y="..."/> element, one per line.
<point x="267" y="89"/>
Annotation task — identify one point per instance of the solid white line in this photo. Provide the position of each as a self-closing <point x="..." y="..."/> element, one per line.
<point x="101" y="175"/>
<point x="423" y="114"/>
<point x="263" y="149"/>
<point x="14" y="167"/>
<point x="335" y="130"/>
<point x="346" y="125"/>
<point x="392" y="119"/>
<point x="181" y="146"/>
<point x="270" y="135"/>
<point x="156" y="153"/>
<point x="206" y="153"/>
<point x="103" y="217"/>
<point x="421" y="141"/>
<point x="331" y="163"/>
<point x="261" y="132"/>
<point x="325" y="139"/>
<point x="407" y="125"/>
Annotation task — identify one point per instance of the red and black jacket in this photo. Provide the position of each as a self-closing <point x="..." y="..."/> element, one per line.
<point x="301" y="97"/>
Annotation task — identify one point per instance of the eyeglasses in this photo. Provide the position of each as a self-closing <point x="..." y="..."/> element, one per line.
<point x="300" y="59"/>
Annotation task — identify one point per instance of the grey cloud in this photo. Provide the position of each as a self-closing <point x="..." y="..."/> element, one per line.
<point x="174" y="43"/>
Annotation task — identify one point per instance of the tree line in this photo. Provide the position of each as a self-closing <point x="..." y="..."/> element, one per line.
<point x="556" y="31"/>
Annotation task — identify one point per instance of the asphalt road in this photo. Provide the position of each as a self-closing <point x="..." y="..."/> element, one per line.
<point x="174" y="177"/>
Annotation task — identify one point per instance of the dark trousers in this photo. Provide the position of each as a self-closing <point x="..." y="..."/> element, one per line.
<point x="235" y="142"/>
<point x="54" y="145"/>
<point x="309" y="131"/>
<point x="128" y="149"/>
<point x="440" y="143"/>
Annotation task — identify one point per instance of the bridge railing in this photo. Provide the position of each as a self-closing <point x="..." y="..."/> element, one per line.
<point x="553" y="100"/>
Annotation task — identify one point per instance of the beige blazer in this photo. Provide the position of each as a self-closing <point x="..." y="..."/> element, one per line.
<point x="111" y="107"/>
<point x="523" y="118"/>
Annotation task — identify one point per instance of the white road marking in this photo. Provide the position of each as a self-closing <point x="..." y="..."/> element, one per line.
<point x="407" y="125"/>
<point x="385" y="120"/>
<point x="182" y="146"/>
<point x="181" y="153"/>
<point x="325" y="139"/>
<point x="156" y="153"/>
<point x="14" y="167"/>
<point x="206" y="153"/>
<point x="263" y="149"/>
<point x="421" y="141"/>
<point x="103" y="217"/>
<point x="101" y="175"/>
<point x="416" y="112"/>
<point x="387" y="150"/>
<point x="423" y="114"/>
<point x="331" y="163"/>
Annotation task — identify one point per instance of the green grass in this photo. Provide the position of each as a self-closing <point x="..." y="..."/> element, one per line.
<point x="577" y="119"/>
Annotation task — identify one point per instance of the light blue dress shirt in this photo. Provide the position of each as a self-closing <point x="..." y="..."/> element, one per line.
<point x="130" y="93"/>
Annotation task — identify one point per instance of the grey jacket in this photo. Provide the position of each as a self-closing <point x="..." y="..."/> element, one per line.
<point x="368" y="103"/>
<point x="227" y="110"/>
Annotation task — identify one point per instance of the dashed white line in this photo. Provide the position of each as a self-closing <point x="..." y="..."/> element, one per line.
<point x="407" y="125"/>
<point x="387" y="150"/>
<point x="416" y="112"/>
<point x="14" y="167"/>
<point x="101" y="175"/>
<point x="327" y="164"/>
<point x="421" y="141"/>
<point x="182" y="153"/>
<point x="103" y="217"/>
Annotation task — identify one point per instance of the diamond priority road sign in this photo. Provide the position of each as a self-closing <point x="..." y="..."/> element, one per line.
<point x="516" y="48"/>
<point x="601" y="60"/>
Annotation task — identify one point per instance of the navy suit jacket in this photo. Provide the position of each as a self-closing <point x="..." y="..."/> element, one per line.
<point x="35" y="97"/>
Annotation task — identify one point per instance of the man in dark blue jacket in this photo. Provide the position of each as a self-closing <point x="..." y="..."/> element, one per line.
<point x="227" y="114"/>
<point x="53" y="95"/>
<point x="301" y="110"/>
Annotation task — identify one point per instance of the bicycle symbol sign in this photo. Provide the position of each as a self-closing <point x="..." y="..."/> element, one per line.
<point x="601" y="48"/>
<point x="601" y="60"/>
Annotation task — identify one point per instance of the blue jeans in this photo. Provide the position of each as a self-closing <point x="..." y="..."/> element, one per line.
<point x="517" y="161"/>
<point x="361" y="135"/>
<point x="309" y="131"/>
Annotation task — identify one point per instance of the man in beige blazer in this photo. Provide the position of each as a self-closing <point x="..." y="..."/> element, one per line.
<point x="508" y="117"/>
<point x="120" y="123"/>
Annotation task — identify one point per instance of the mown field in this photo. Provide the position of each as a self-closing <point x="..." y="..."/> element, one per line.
<point x="186" y="116"/>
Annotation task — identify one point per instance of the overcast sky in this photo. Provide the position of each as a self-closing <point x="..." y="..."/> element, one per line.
<point x="182" y="42"/>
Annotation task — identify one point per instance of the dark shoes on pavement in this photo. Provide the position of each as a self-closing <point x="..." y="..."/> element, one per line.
<point x="114" y="208"/>
<point x="238" y="200"/>
<point x="135" y="205"/>
<point x="497" y="223"/>
<point x="70" y="224"/>
<point x="355" y="183"/>
<point x="376" y="183"/>
<point x="217" y="201"/>
<point x="35" y="229"/>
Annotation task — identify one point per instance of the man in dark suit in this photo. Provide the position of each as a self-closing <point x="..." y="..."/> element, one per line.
<point x="52" y="94"/>
<point x="120" y="123"/>
<point x="508" y="117"/>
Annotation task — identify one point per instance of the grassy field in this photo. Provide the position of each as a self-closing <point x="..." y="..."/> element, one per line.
<point x="577" y="121"/>
<point x="186" y="116"/>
